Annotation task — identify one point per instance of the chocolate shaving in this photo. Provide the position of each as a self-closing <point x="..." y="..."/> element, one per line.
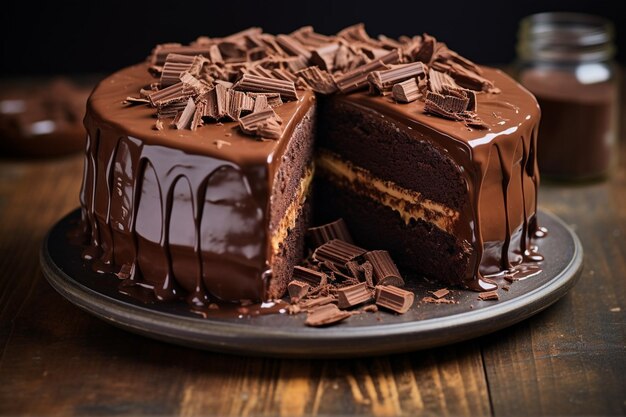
<point x="292" y="46"/>
<point x="327" y="232"/>
<point x="489" y="296"/>
<point x="250" y="124"/>
<point x="319" y="81"/>
<point x="297" y="290"/>
<point x="406" y="91"/>
<point x="273" y="99"/>
<point x="316" y="302"/>
<point x="383" y="81"/>
<point x="136" y="100"/>
<point x="440" y="293"/>
<point x="471" y="80"/>
<point x="357" y="79"/>
<point x="252" y="83"/>
<point x="270" y="129"/>
<point x="385" y="270"/>
<point x="183" y="120"/>
<point x="309" y="276"/>
<point x="325" y="315"/>
<point x="337" y="252"/>
<point x="394" y="298"/>
<point x="324" y="57"/>
<point x="353" y="295"/>
<point x="424" y="52"/>
<point x="432" y="300"/>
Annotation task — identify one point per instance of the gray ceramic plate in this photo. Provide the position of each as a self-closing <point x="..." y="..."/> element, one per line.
<point x="426" y="325"/>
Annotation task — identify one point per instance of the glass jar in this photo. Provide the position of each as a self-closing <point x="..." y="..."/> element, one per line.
<point x="566" y="61"/>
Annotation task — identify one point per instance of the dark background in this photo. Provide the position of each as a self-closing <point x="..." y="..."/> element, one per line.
<point x="87" y="37"/>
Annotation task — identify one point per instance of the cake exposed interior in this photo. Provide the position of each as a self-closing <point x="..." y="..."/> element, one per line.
<point x="198" y="183"/>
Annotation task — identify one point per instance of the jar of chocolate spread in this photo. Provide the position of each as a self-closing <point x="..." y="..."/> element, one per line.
<point x="566" y="61"/>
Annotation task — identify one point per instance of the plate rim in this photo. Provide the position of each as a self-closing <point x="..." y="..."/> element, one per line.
<point x="188" y="331"/>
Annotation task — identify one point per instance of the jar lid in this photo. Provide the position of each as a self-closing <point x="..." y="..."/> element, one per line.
<point x="563" y="36"/>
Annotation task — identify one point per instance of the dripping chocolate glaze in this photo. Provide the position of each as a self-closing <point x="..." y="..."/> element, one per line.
<point x="175" y="166"/>
<point x="166" y="191"/>
<point x="499" y="165"/>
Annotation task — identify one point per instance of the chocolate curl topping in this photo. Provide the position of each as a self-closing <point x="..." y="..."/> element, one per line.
<point x="251" y="62"/>
<point x="383" y="81"/>
<point x="385" y="270"/>
<point x="255" y="84"/>
<point x="327" y="232"/>
<point x="406" y="91"/>
<point x="357" y="78"/>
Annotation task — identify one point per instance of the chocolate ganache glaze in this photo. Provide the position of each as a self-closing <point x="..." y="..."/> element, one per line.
<point x="195" y="211"/>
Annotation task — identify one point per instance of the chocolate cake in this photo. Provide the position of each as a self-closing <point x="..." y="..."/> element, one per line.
<point x="200" y="162"/>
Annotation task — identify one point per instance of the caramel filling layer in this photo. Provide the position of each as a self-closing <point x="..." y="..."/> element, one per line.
<point x="288" y="222"/>
<point x="409" y="204"/>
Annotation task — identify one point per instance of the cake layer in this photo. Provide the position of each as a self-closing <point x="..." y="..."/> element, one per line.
<point x="488" y="176"/>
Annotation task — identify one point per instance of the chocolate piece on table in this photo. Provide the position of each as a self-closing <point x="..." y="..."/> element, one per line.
<point x="385" y="270"/>
<point x="353" y="295"/>
<point x="394" y="298"/>
<point x="325" y="315"/>
<point x="325" y="233"/>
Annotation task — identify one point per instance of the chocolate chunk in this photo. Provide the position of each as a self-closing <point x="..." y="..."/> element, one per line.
<point x="327" y="232"/>
<point x="357" y="79"/>
<point x="406" y="91"/>
<point x="445" y="105"/>
<point x="385" y="270"/>
<point x="383" y="81"/>
<point x="325" y="315"/>
<point x="394" y="298"/>
<point x="353" y="295"/>
<point x="471" y="80"/>
<point x="324" y="56"/>
<point x="273" y="99"/>
<point x="292" y="46"/>
<point x="309" y="276"/>
<point x="250" y="124"/>
<point x="319" y="81"/>
<point x="439" y="82"/>
<point x="136" y="100"/>
<point x="297" y="290"/>
<point x="432" y="300"/>
<point x="337" y="252"/>
<point x="160" y="52"/>
<point x="440" y="293"/>
<point x="489" y="295"/>
<point x="270" y="129"/>
<point x="426" y="49"/>
<point x="239" y="103"/>
<point x="183" y="120"/>
<point x="255" y="84"/>
<point x="169" y="94"/>
<point x="260" y="104"/>
<point x="316" y="302"/>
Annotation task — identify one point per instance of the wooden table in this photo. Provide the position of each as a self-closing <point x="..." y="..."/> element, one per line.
<point x="57" y="360"/>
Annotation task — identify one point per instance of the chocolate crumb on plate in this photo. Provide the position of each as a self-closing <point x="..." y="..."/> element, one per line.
<point x="440" y="293"/>
<point x="489" y="296"/>
<point x="325" y="315"/>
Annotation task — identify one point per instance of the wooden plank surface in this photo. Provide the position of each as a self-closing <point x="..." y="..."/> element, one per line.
<point x="57" y="360"/>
